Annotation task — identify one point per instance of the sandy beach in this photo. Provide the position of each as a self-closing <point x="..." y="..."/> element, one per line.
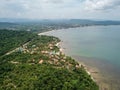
<point x="44" y="33"/>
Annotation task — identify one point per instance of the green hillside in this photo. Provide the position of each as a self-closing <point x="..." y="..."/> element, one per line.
<point x="38" y="64"/>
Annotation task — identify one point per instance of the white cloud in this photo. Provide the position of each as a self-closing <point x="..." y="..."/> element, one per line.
<point x="101" y="4"/>
<point x="53" y="1"/>
<point x="59" y="8"/>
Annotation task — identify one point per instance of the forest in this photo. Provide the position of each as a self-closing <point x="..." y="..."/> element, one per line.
<point x="39" y="65"/>
<point x="10" y="39"/>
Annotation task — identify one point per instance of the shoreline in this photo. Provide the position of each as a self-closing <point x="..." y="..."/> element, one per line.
<point x="43" y="33"/>
<point x="88" y="69"/>
<point x="94" y="72"/>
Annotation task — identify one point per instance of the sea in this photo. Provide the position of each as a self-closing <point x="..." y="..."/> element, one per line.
<point x="96" y="46"/>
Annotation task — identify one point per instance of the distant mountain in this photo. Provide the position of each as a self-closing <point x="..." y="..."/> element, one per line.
<point x="108" y="22"/>
<point x="6" y="24"/>
<point x="12" y="20"/>
<point x="59" y="21"/>
<point x="86" y="21"/>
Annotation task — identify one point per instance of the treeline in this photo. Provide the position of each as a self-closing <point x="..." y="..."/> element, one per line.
<point x="9" y="39"/>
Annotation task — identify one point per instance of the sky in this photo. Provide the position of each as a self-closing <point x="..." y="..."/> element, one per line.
<point x="61" y="9"/>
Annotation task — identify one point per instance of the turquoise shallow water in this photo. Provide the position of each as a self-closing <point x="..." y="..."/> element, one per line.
<point x="99" y="46"/>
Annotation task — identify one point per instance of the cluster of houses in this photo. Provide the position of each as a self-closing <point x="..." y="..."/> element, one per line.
<point x="55" y="57"/>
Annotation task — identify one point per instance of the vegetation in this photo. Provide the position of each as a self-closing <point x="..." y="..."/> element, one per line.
<point x="39" y="65"/>
<point x="9" y="40"/>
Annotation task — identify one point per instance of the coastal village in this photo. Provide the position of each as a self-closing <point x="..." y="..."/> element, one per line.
<point x="51" y="53"/>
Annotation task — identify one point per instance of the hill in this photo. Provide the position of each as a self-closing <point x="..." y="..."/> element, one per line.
<point x="40" y="65"/>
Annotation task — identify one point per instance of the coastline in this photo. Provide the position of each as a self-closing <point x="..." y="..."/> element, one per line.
<point x="90" y="70"/>
<point x="101" y="80"/>
<point x="43" y="33"/>
<point x="94" y="72"/>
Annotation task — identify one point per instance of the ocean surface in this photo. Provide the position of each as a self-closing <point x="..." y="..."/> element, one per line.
<point x="97" y="46"/>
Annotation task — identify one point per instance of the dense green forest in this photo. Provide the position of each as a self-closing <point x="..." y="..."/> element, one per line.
<point x="9" y="40"/>
<point x="39" y="65"/>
